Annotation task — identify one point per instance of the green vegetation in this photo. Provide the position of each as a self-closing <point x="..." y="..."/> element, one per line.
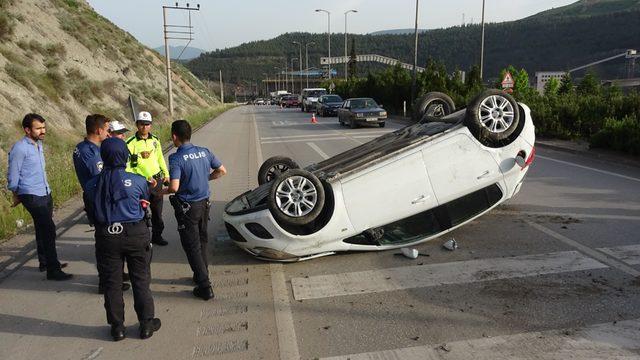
<point x="7" y="20"/>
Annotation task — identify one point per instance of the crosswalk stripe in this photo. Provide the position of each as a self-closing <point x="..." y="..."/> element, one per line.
<point x="620" y="340"/>
<point x="409" y="277"/>
<point x="629" y="254"/>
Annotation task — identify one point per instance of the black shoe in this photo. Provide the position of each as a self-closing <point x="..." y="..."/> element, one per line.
<point x="118" y="332"/>
<point x="43" y="268"/>
<point x="147" y="328"/>
<point x="58" y="275"/>
<point x="205" y="293"/>
<point x="125" y="287"/>
<point x="159" y="241"/>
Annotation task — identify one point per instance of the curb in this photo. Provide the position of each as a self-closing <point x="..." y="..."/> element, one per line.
<point x="610" y="158"/>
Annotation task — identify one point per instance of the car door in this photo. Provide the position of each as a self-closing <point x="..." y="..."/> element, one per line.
<point x="458" y="165"/>
<point x="388" y="191"/>
<point x="343" y="111"/>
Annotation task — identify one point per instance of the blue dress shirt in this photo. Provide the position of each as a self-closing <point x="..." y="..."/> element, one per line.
<point x="192" y="165"/>
<point x="27" y="173"/>
<point x="87" y="162"/>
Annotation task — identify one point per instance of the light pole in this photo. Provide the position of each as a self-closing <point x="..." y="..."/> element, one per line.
<point x="278" y="78"/>
<point x="286" y="76"/>
<point x="346" y="63"/>
<point x="328" y="36"/>
<point x="293" y="87"/>
<point x="306" y="56"/>
<point x="300" y="63"/>
<point x="266" y="94"/>
<point x="482" y="44"/>
<point x="415" y="58"/>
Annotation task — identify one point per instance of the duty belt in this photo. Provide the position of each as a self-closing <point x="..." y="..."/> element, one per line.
<point x="115" y="229"/>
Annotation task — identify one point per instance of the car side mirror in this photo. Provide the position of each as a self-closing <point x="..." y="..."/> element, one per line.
<point x="381" y="106"/>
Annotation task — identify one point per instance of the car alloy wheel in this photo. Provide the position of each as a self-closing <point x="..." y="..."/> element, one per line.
<point x="296" y="196"/>
<point x="273" y="167"/>
<point x="496" y="114"/>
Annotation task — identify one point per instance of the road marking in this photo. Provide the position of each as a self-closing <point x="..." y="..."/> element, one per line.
<point x="318" y="150"/>
<point x="323" y="139"/>
<point x="573" y="215"/>
<point x="257" y="138"/>
<point x="410" y="277"/>
<point x="588" y="168"/>
<point x="337" y="133"/>
<point x="618" y="340"/>
<point x="587" y="250"/>
<point x="630" y="254"/>
<point x="287" y="342"/>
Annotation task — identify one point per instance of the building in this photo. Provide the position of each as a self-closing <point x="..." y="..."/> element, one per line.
<point x="542" y="77"/>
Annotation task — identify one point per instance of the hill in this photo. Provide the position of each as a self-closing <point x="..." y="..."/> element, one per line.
<point x="558" y="39"/>
<point x="188" y="53"/>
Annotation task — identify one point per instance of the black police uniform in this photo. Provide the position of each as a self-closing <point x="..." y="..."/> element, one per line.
<point x="192" y="165"/>
<point x="122" y="234"/>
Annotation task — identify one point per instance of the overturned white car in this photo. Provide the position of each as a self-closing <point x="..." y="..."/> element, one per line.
<point x="405" y="187"/>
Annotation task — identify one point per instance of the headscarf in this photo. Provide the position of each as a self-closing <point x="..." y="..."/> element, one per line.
<point x="110" y="188"/>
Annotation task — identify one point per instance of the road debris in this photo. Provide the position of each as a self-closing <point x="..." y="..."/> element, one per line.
<point x="451" y="244"/>
<point x="410" y="253"/>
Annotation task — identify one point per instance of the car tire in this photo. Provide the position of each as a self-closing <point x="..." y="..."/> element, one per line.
<point x="273" y="167"/>
<point x="382" y="124"/>
<point x="492" y="116"/>
<point x="296" y="197"/>
<point x="352" y="124"/>
<point x="434" y="105"/>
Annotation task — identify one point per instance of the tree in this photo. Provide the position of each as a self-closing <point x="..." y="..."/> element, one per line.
<point x="590" y="85"/>
<point x="566" y="85"/>
<point x="353" y="60"/>
<point x="551" y="87"/>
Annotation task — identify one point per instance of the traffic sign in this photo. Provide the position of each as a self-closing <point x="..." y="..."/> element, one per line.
<point x="507" y="81"/>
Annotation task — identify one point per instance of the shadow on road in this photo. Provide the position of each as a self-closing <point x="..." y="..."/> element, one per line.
<point x="14" y="324"/>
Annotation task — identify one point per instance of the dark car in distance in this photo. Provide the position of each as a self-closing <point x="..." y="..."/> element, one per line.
<point x="328" y="105"/>
<point x="358" y="111"/>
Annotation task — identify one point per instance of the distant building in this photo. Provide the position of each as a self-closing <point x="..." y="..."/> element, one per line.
<point x="542" y="77"/>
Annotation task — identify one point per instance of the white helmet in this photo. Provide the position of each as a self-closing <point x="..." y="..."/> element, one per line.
<point x="144" y="116"/>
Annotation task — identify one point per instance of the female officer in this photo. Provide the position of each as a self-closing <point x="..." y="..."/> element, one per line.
<point x="121" y="233"/>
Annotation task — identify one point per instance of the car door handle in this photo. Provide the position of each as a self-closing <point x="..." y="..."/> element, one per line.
<point x="484" y="175"/>
<point x="419" y="199"/>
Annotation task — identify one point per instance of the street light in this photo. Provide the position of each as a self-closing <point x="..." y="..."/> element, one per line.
<point x="328" y="36"/>
<point x="278" y="78"/>
<point x="415" y="59"/>
<point x="266" y="95"/>
<point x="306" y="56"/>
<point x="346" y="63"/>
<point x="482" y="44"/>
<point x="293" y="87"/>
<point x="300" y="62"/>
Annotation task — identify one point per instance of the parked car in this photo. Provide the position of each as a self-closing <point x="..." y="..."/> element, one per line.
<point x="328" y="105"/>
<point x="290" y="101"/>
<point x="309" y="97"/>
<point x="359" y="111"/>
<point x="403" y="188"/>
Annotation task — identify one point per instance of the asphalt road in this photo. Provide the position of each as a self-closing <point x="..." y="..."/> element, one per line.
<point x="551" y="275"/>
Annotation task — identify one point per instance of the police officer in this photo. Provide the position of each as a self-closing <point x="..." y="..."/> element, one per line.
<point x="147" y="160"/>
<point x="122" y="234"/>
<point x="190" y="169"/>
<point x="88" y="163"/>
<point x="117" y="129"/>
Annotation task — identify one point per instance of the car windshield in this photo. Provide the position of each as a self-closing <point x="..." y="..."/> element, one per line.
<point x="316" y="93"/>
<point x="363" y="104"/>
<point x="332" y="98"/>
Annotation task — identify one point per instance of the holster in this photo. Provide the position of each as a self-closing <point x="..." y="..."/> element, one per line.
<point x="179" y="205"/>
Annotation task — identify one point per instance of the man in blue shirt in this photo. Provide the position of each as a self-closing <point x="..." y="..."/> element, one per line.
<point x="117" y="200"/>
<point x="27" y="180"/>
<point x="190" y="170"/>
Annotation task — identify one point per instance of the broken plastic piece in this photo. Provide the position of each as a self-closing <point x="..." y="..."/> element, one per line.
<point x="410" y="253"/>
<point x="450" y="244"/>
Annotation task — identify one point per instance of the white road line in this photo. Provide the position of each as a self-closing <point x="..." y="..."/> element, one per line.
<point x="410" y="277"/>
<point x="318" y="150"/>
<point x="320" y="139"/>
<point x="589" y="168"/>
<point x="630" y="254"/>
<point x="620" y="340"/>
<point x="323" y="135"/>
<point x="573" y="215"/>
<point x="257" y="138"/>
<point x="287" y="341"/>
<point x="587" y="250"/>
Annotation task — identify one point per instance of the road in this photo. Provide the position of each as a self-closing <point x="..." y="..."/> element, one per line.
<point x="551" y="275"/>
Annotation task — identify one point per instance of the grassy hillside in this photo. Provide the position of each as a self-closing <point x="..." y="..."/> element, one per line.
<point x="61" y="59"/>
<point x="553" y="40"/>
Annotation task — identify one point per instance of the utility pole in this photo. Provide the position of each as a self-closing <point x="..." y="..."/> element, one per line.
<point x="415" y="58"/>
<point x="306" y="55"/>
<point x="482" y="45"/>
<point x="293" y="86"/>
<point x="221" y="89"/>
<point x="182" y="36"/>
<point x="346" y="61"/>
<point x="300" y="63"/>
<point x="286" y="75"/>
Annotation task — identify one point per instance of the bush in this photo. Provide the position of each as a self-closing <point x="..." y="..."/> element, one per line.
<point x="19" y="74"/>
<point x="621" y="135"/>
<point x="7" y="24"/>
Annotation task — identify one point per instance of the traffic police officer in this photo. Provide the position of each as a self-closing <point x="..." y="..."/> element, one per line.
<point x="88" y="164"/>
<point x="122" y="233"/>
<point x="190" y="169"/>
<point x="147" y="160"/>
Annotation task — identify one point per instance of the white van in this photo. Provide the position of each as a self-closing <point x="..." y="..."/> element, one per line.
<point x="309" y="98"/>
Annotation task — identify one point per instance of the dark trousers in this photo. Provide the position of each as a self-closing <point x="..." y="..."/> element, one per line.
<point x="88" y="207"/>
<point x="192" y="227"/>
<point x="41" y="210"/>
<point x="156" y="200"/>
<point x="133" y="246"/>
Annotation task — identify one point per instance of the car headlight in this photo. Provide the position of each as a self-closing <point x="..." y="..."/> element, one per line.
<point x="359" y="115"/>
<point x="383" y="113"/>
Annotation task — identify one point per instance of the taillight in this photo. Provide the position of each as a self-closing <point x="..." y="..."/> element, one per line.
<point x="531" y="157"/>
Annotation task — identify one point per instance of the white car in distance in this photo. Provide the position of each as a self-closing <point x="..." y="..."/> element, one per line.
<point x="403" y="188"/>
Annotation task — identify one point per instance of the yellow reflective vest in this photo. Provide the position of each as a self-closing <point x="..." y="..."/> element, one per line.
<point x="146" y="156"/>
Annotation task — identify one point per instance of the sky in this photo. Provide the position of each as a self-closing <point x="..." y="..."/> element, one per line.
<point x="221" y="24"/>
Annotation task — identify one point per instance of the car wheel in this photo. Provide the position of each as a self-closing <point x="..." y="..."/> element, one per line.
<point x="434" y="105"/>
<point x="352" y="124"/>
<point x="273" y="167"/>
<point x="492" y="116"/>
<point x="296" y="197"/>
<point x="381" y="124"/>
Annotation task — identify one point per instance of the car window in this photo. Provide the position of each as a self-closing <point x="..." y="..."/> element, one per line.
<point x="316" y="93"/>
<point x="332" y="98"/>
<point x="346" y="104"/>
<point x="363" y="104"/>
